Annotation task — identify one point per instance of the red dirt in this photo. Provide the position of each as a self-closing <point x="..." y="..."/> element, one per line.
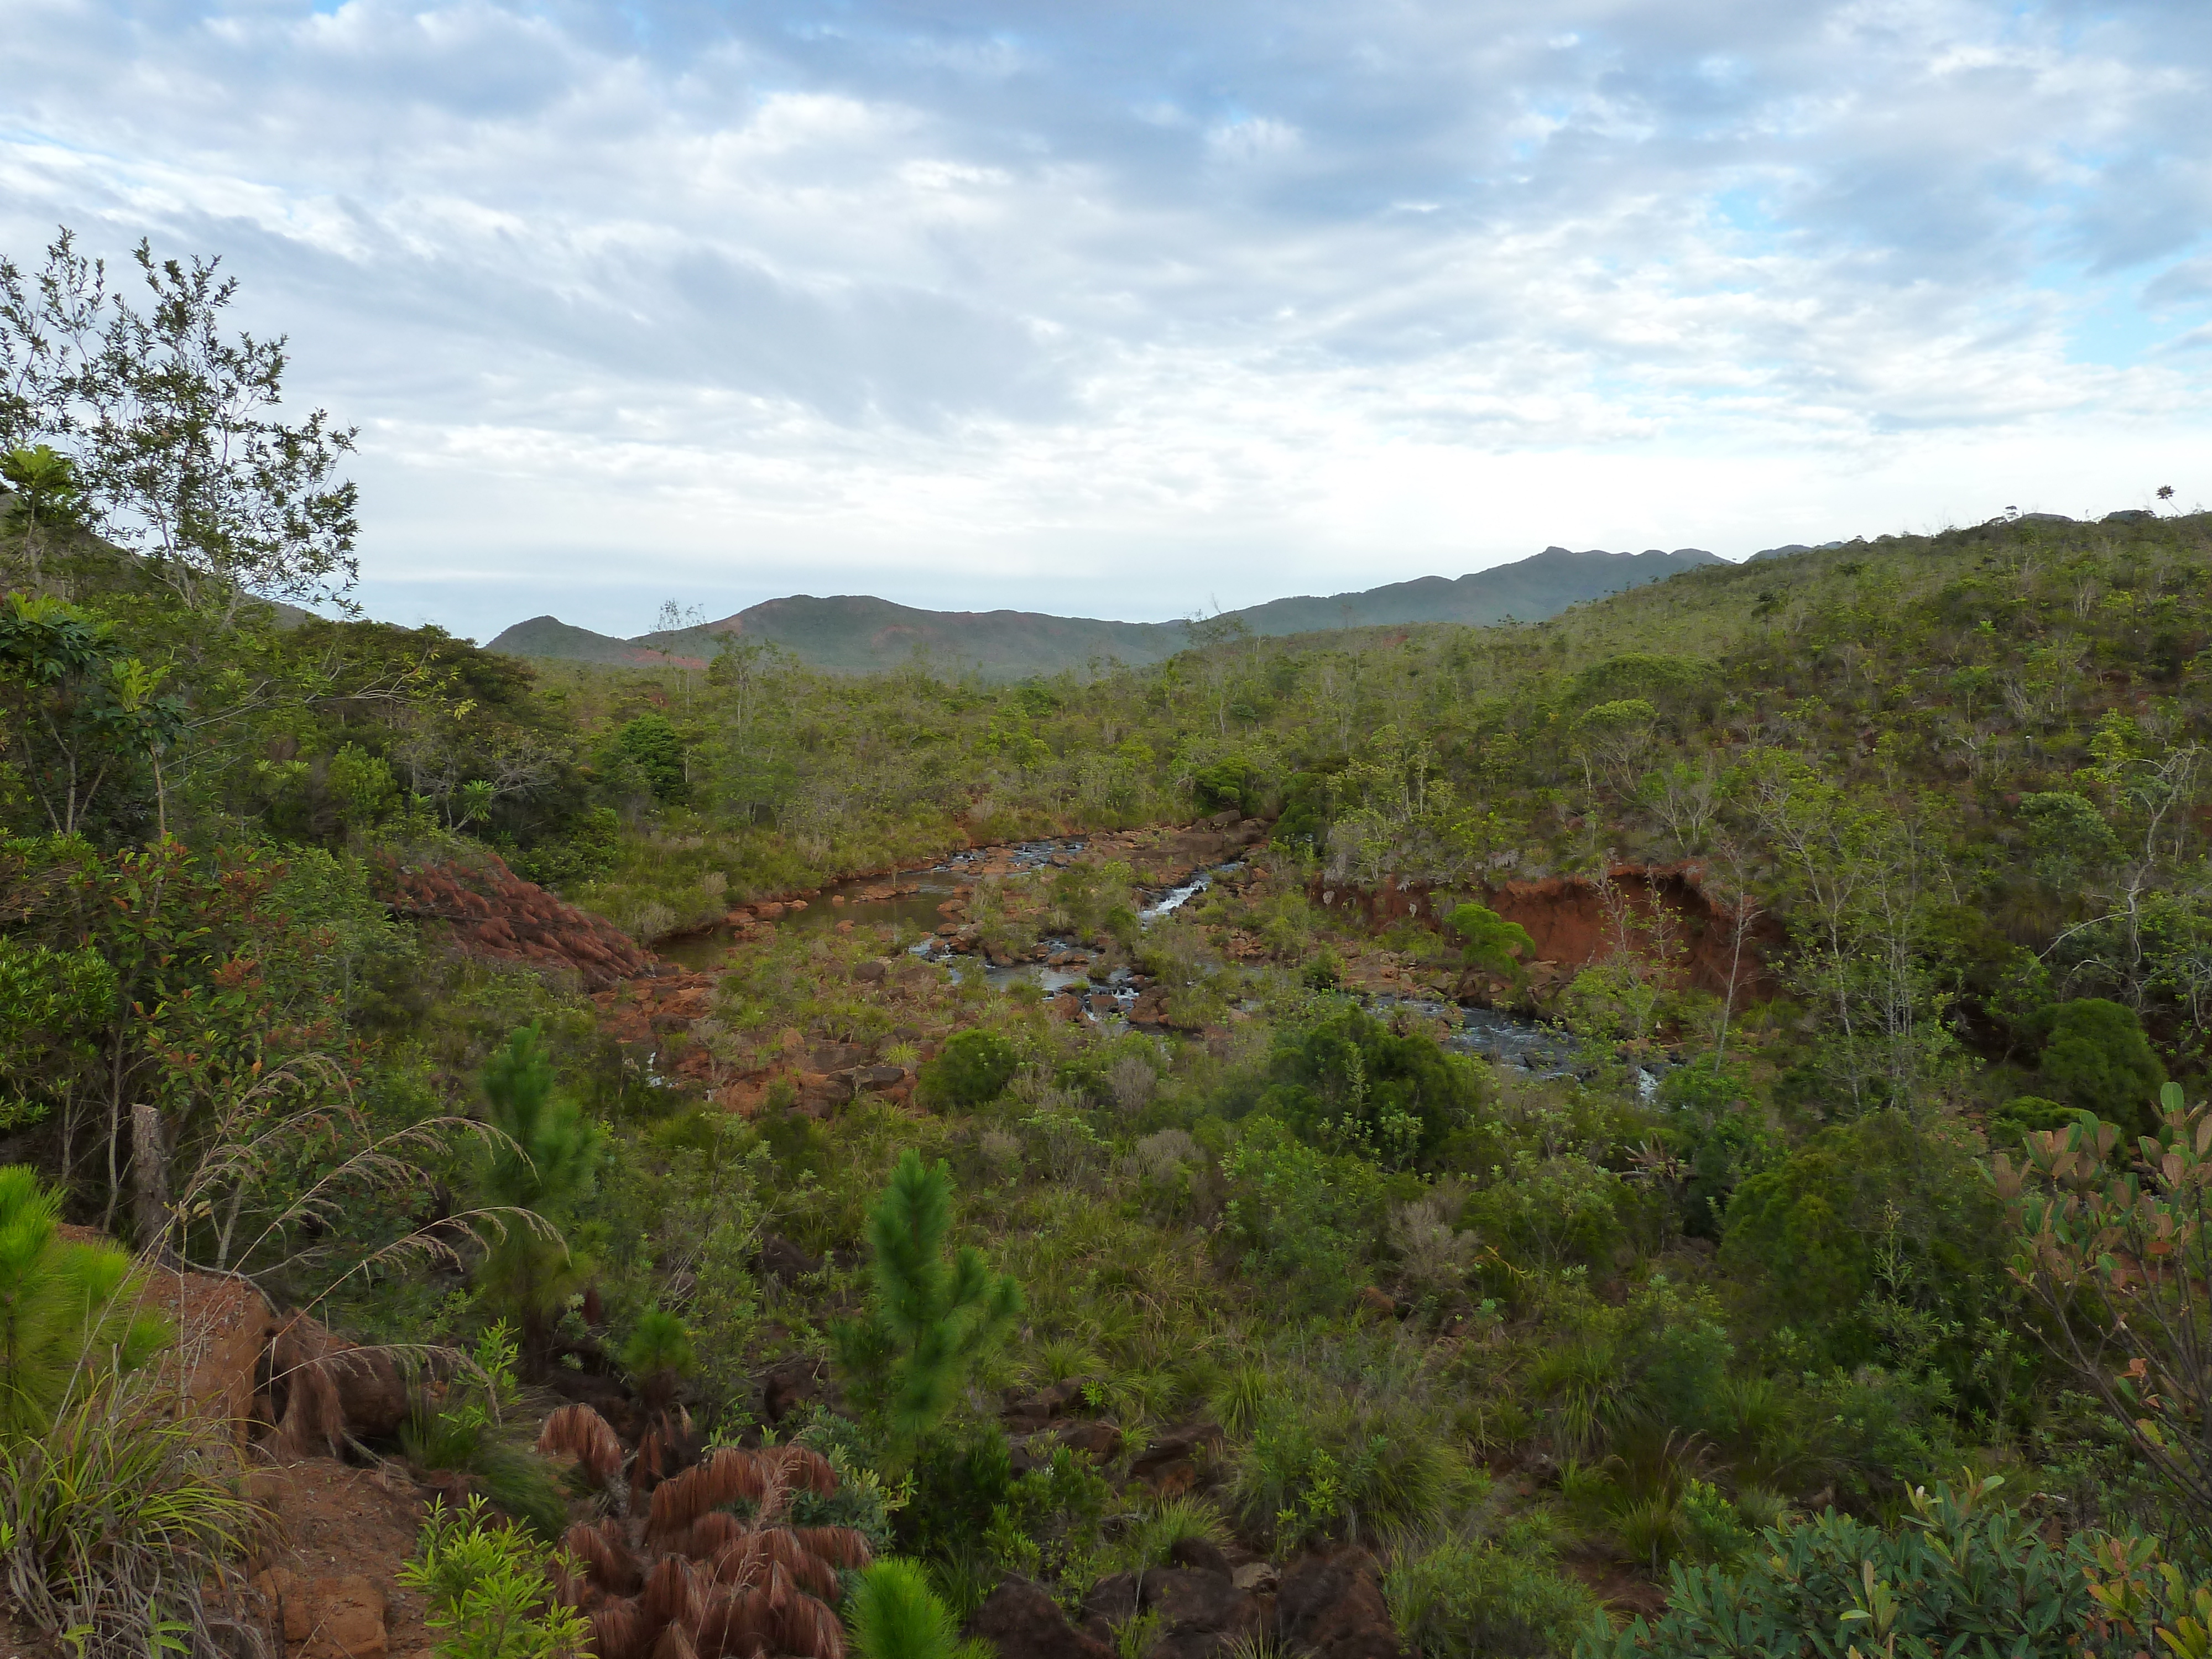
<point x="492" y="913"/>
<point x="331" y="1522"/>
<point x="1665" y="916"/>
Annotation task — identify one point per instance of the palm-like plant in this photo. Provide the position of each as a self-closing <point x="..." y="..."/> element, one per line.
<point x="716" y="1569"/>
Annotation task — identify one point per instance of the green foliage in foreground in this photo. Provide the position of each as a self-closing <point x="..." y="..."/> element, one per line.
<point x="1963" y="1573"/>
<point x="894" y="1612"/>
<point x="123" y="1525"/>
<point x="488" y="1590"/>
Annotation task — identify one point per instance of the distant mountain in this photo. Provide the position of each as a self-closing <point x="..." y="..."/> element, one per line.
<point x="858" y="633"/>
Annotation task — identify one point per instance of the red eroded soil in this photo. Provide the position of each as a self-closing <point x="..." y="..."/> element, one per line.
<point x="494" y="914"/>
<point x="1664" y="915"/>
<point x="330" y="1524"/>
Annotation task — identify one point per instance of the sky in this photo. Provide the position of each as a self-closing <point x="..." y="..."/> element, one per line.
<point x="1129" y="308"/>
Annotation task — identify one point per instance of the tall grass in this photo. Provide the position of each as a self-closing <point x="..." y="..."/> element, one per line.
<point x="120" y="1527"/>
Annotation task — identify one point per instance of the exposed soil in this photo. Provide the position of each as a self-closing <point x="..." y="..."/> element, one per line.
<point x="490" y="911"/>
<point x="1659" y="912"/>
<point x="332" y="1523"/>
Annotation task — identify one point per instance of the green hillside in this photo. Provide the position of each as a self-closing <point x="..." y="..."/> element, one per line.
<point x="855" y="633"/>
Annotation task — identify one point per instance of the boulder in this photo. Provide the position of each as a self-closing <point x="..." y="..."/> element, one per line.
<point x="1021" y="1621"/>
<point x="1026" y="1413"/>
<point x="780" y="1259"/>
<point x="336" y="1617"/>
<point x="1170" y="1462"/>
<point x="1099" y="1441"/>
<point x="1329" y="1603"/>
<point x="790" y="1383"/>
<point x="1199" y="1609"/>
<point x="1200" y="1556"/>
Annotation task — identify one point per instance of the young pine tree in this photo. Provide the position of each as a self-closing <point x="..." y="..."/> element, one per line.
<point x="544" y="1166"/>
<point x="893" y="1612"/>
<point x="929" y="1319"/>
<point x="69" y="1312"/>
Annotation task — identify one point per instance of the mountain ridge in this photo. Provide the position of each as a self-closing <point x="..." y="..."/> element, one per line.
<point x="858" y="633"/>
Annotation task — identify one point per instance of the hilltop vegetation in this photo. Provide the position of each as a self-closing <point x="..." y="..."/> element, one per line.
<point x="1868" y="887"/>
<point x="869" y="634"/>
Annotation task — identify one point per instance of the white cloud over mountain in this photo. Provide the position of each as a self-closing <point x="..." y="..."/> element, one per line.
<point x="1119" y="308"/>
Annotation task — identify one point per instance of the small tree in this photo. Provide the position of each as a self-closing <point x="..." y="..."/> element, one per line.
<point x="542" y="1165"/>
<point x="658" y="1357"/>
<point x="170" y="427"/>
<point x="929" y="1319"/>
<point x="67" y="1310"/>
<point x="1491" y="945"/>
<point x="894" y="1614"/>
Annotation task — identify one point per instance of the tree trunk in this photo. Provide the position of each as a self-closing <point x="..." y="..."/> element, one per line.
<point x="149" y="1180"/>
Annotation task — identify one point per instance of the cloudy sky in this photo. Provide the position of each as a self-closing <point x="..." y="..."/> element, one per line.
<point x="1127" y="308"/>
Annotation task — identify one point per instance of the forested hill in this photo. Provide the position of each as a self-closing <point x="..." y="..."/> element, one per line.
<point x="859" y="633"/>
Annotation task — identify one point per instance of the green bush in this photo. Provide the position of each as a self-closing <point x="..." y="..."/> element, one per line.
<point x="478" y="1435"/>
<point x="1347" y="1083"/>
<point x="1863" y="1218"/>
<point x="1717" y="1128"/>
<point x="1363" y="1456"/>
<point x="487" y="1591"/>
<point x="2097" y="1058"/>
<point x="1473" y="1600"/>
<point x="962" y="1474"/>
<point x="653" y="746"/>
<point x="2026" y="1114"/>
<point x="1307" y="1219"/>
<point x="975" y="1066"/>
<point x="1962" y="1575"/>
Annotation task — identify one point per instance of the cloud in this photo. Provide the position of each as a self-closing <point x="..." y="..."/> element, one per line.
<point x="1120" y="306"/>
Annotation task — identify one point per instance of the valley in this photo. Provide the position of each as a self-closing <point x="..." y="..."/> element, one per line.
<point x="1538" y="1137"/>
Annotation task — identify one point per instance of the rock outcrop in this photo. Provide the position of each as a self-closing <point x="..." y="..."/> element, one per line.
<point x="1021" y="1620"/>
<point x="1329" y="1604"/>
<point x="493" y="914"/>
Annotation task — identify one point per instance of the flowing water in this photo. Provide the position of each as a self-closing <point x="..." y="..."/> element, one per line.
<point x="1503" y="1039"/>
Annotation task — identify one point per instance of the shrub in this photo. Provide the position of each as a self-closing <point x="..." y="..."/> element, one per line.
<point x="2025" y="1115"/>
<point x="473" y="1436"/>
<point x="1306" y="1218"/>
<point x="1347" y="1083"/>
<point x="1875" y="1214"/>
<point x="975" y="1066"/>
<point x="487" y="1590"/>
<point x="1492" y="945"/>
<point x="2097" y="1058"/>
<point x="1962" y="1574"/>
<point x="1362" y="1454"/>
<point x="1472" y="1600"/>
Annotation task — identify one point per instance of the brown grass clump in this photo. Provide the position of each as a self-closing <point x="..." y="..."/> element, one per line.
<point x="705" y="1581"/>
